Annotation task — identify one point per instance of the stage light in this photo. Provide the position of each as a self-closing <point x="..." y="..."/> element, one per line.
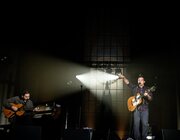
<point x="95" y="78"/>
<point x="149" y="137"/>
<point x="117" y="71"/>
<point x="130" y="139"/>
<point x="109" y="70"/>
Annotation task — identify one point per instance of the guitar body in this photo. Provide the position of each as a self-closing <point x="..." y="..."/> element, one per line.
<point x="10" y="113"/>
<point x="133" y="102"/>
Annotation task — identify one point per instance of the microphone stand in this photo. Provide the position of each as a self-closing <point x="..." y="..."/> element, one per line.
<point x="79" y="119"/>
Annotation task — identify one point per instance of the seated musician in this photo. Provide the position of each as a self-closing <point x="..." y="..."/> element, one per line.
<point x="18" y="109"/>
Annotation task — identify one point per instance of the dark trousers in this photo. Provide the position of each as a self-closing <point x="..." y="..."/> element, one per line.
<point x="141" y="117"/>
<point x="21" y="120"/>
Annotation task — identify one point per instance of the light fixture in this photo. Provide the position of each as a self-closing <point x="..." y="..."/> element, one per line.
<point x="150" y="136"/>
<point x="117" y="71"/>
<point x="109" y="70"/>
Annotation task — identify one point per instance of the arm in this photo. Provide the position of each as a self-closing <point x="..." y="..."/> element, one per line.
<point x="126" y="81"/>
<point x="148" y="95"/>
<point x="8" y="103"/>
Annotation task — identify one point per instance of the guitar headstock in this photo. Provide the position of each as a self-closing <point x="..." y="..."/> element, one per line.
<point x="152" y="89"/>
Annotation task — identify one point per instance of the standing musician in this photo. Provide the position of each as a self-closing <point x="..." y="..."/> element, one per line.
<point x="141" y="110"/>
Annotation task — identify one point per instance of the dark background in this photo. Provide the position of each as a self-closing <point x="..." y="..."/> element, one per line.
<point x="154" y="32"/>
<point x="62" y="33"/>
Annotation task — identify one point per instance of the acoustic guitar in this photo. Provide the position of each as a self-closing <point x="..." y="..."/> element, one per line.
<point x="134" y="101"/>
<point x="9" y="113"/>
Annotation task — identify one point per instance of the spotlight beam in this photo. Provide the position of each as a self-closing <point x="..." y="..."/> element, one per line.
<point x="95" y="78"/>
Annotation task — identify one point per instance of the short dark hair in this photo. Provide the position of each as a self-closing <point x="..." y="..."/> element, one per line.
<point x="140" y="75"/>
<point x="25" y="92"/>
